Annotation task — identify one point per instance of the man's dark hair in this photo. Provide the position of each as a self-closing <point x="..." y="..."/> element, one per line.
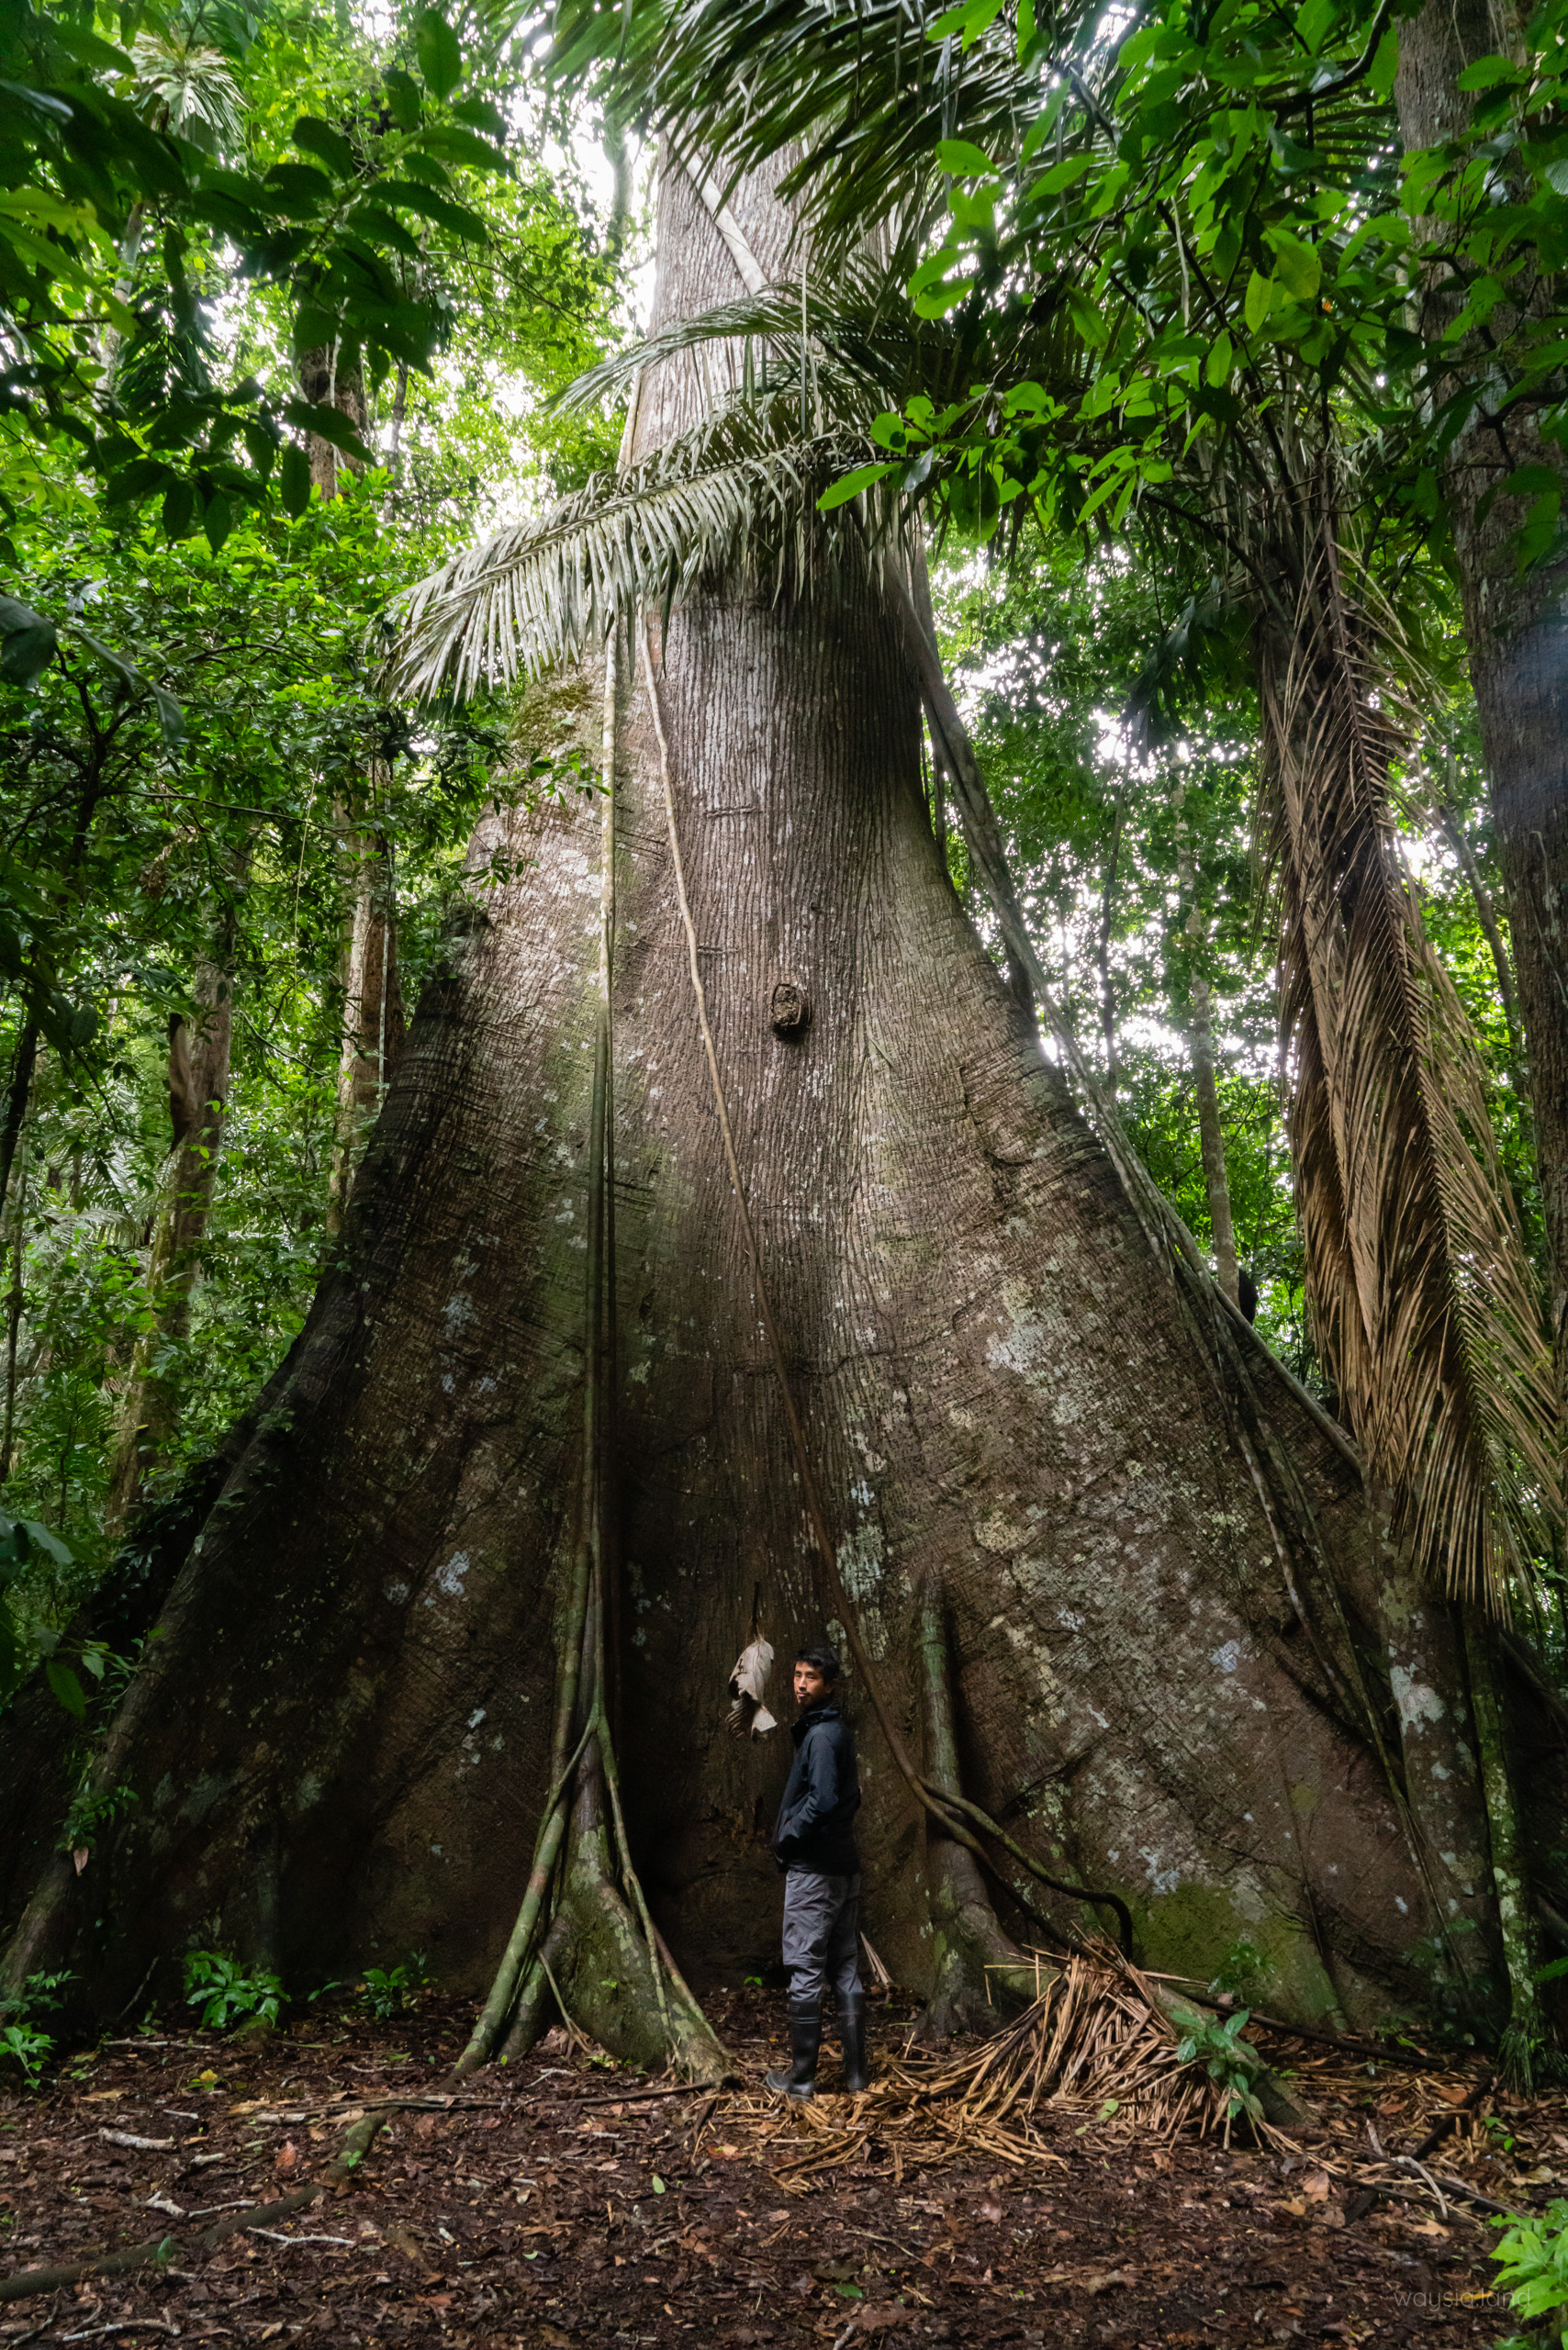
<point x="822" y="1660"/>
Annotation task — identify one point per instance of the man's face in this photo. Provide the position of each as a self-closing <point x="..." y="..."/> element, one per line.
<point x="809" y="1686"/>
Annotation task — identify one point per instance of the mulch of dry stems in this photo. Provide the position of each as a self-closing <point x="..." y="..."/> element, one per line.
<point x="561" y="2202"/>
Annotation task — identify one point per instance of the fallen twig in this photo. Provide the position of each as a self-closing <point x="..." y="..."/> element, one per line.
<point x="275" y="2236"/>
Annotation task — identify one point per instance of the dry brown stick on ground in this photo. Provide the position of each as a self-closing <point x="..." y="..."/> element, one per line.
<point x="1361" y="2203"/>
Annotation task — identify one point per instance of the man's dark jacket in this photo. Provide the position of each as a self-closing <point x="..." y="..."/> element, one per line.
<point x="821" y="1798"/>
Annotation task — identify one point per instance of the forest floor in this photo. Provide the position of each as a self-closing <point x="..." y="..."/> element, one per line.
<point x="548" y="2206"/>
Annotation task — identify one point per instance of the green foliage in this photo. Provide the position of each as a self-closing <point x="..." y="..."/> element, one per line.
<point x="1227" y="2058"/>
<point x="1243" y="1966"/>
<point x="129" y="173"/>
<point x="27" y="2049"/>
<point x="1532" y="2269"/>
<point x="23" y="1541"/>
<point x="224" y="1993"/>
<point x="22" y="2043"/>
<point x="90" y="1812"/>
<point x="388" y="1991"/>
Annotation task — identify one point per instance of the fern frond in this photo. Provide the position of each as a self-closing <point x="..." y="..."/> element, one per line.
<point x="738" y="492"/>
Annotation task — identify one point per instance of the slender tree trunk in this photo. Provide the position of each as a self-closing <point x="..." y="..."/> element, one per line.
<point x="1200" y="1038"/>
<point x="24" y="1062"/>
<point x="1454" y="833"/>
<point x="997" y="1382"/>
<point x="330" y="381"/>
<point x="14" y="1304"/>
<point x="198" y="1088"/>
<point x="1107" y="919"/>
<point x="373" y="1023"/>
<point x="1518" y="638"/>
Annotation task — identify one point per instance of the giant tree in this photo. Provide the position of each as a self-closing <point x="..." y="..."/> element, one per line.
<point x="728" y="1255"/>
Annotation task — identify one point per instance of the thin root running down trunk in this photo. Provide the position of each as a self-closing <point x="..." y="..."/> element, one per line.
<point x="584" y="1936"/>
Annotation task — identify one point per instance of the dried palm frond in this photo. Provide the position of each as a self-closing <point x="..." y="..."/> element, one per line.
<point x="739" y="491"/>
<point x="1097" y="2041"/>
<point x="1423" y="1299"/>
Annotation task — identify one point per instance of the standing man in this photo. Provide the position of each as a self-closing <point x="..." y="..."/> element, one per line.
<point x="814" y="1845"/>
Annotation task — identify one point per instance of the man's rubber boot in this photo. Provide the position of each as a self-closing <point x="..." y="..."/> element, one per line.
<point x="805" y="2041"/>
<point x="852" y="2039"/>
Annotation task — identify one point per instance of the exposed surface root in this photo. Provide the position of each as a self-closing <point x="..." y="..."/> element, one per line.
<point x="1096" y="2042"/>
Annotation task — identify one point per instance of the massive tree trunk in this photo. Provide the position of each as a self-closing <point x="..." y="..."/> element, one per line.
<point x="1033" y="1470"/>
<point x="1516" y="632"/>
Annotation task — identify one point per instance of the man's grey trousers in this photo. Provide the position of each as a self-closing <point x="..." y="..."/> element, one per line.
<point x="822" y="1935"/>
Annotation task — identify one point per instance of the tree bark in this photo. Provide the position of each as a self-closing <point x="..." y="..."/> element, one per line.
<point x="1517" y="639"/>
<point x="329" y="380"/>
<point x="16" y="1300"/>
<point x="373" y="1026"/>
<point x="345" y="1723"/>
<point x="1201" y="1041"/>
<point x="198" y="1090"/>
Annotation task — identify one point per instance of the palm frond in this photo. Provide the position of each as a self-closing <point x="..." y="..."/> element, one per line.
<point x="851" y="91"/>
<point x="738" y="492"/>
<point x="869" y="349"/>
<point x="1423" y="1299"/>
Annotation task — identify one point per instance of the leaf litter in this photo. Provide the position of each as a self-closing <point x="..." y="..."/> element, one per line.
<point x="978" y="2193"/>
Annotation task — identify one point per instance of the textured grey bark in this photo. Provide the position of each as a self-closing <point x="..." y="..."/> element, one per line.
<point x="345" y="1723"/>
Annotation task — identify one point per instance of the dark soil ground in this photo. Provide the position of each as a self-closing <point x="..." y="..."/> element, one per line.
<point x="548" y="2207"/>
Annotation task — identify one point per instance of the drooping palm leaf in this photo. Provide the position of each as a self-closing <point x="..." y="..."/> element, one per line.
<point x="855" y="88"/>
<point x="870" y="348"/>
<point x="1423" y="1300"/>
<point x="740" y="491"/>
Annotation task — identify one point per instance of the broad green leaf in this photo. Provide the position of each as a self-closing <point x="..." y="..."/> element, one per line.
<point x="482" y="115"/>
<point x="440" y="54"/>
<point x="318" y="138"/>
<point x="216" y="520"/>
<point x="463" y="146"/>
<point x="1260" y="301"/>
<point x="430" y="206"/>
<point x="1086" y="317"/>
<point x="969" y="20"/>
<point x="964" y="160"/>
<point x="262" y="445"/>
<point x="298" y="187"/>
<point x="403" y="98"/>
<point x="294" y="481"/>
<point x="171" y="717"/>
<point x="179" y="509"/>
<point x="1298" y="266"/>
<point x="1488" y="72"/>
<point x="88" y="49"/>
<point x="28" y="642"/>
<point x="328" y="423"/>
<point x="49" y="1544"/>
<point x="1064" y="175"/>
<point x="67" y="1689"/>
<point x="851" y="485"/>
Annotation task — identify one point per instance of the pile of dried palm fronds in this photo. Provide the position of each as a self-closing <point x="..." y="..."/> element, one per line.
<point x="1096" y="2042"/>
